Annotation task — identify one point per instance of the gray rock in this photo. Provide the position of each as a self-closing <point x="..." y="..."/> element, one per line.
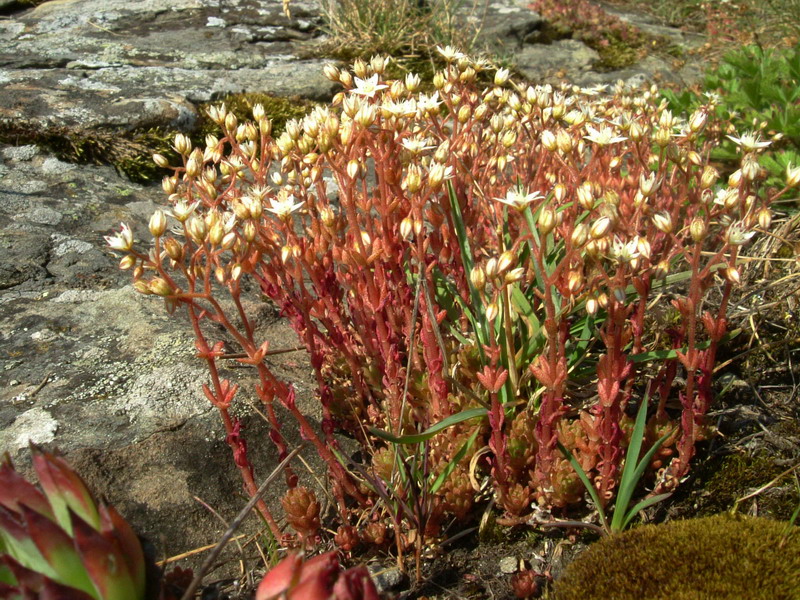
<point x="23" y="257"/>
<point x="386" y="578"/>
<point x="563" y="58"/>
<point x="20" y="153"/>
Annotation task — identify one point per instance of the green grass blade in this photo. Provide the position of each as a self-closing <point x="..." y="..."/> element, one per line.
<point x="628" y="481"/>
<point x="586" y="483"/>
<point x="641" y="506"/>
<point x="464" y="415"/>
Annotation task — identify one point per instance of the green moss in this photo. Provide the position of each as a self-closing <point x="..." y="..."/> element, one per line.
<point x="129" y="153"/>
<point x="722" y="557"/>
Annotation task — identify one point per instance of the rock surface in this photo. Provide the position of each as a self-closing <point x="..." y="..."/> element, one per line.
<point x="86" y="364"/>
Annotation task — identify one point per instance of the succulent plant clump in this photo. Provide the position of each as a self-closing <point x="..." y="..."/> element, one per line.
<point x="59" y="542"/>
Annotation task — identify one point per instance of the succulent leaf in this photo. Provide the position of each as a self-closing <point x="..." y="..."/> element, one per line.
<point x="114" y="525"/>
<point x="57" y="548"/>
<point x="104" y="562"/>
<point x="18" y="544"/>
<point x="64" y="489"/>
<point x="14" y="489"/>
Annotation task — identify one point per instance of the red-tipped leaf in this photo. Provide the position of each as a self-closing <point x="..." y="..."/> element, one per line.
<point x="57" y="548"/>
<point x="112" y="523"/>
<point x="64" y="489"/>
<point x="104" y="562"/>
<point x="14" y="489"/>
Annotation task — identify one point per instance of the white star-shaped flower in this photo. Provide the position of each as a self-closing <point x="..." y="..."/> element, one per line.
<point x="605" y="136"/>
<point x="122" y="241"/>
<point x="520" y="200"/>
<point x="284" y="206"/>
<point x="368" y="87"/>
<point x="749" y="141"/>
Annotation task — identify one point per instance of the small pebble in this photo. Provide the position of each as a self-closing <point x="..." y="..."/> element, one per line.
<point x="509" y="565"/>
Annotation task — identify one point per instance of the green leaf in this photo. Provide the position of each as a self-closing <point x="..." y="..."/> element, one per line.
<point x="642" y="505"/>
<point x="586" y="483"/>
<point x="464" y="415"/>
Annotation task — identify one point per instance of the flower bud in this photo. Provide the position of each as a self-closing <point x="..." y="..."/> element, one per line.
<point x="600" y="228"/>
<point x="231" y="122"/>
<point x="574" y="281"/>
<point x="698" y="230"/>
<point x="127" y="262"/>
<point x="698" y="121"/>
<point x="580" y="234"/>
<point x="709" y="177"/>
<point x="792" y="175"/>
<point x="501" y="77"/>
<point x="464" y="114"/>
<point x="160" y="287"/>
<point x="249" y="231"/>
<point x="406" y="228"/>
<point x="158" y="223"/>
<point x="764" y="218"/>
<point x="142" y="287"/>
<point x="413" y="179"/>
<point x="735" y="178"/>
<point x="216" y="234"/>
<point x="182" y="144"/>
<point x="733" y="276"/>
<point x="661" y="270"/>
<point x="197" y="230"/>
<point x="492" y="311"/>
<point x="491" y="268"/>
<point x="585" y="196"/>
<point x="477" y="278"/>
<point x="506" y="260"/>
<point x="592" y="305"/>
<point x="174" y="249"/>
<point x="515" y="275"/>
<point x="352" y="169"/>
<point x="549" y="140"/>
<point x="547" y="221"/>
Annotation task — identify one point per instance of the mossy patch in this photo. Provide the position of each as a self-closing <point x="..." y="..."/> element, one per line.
<point x="131" y="152"/>
<point x="723" y="557"/>
<point x="741" y="474"/>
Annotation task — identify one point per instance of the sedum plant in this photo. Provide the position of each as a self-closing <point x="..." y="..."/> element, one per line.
<point x="478" y="273"/>
<point x="59" y="542"/>
<point x="318" y="578"/>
